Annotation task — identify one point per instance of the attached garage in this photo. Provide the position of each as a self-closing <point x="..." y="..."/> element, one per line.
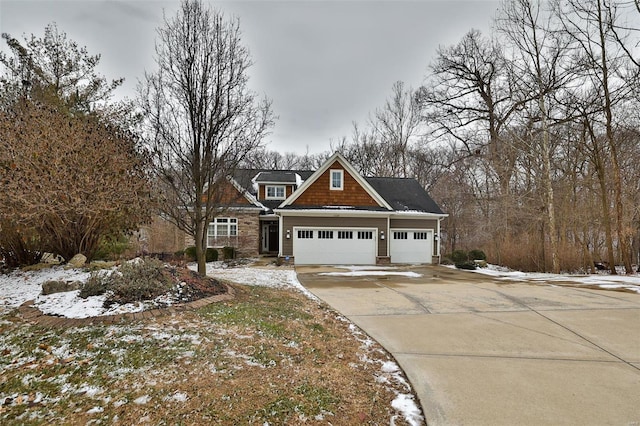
<point x="334" y="246"/>
<point x="411" y="245"/>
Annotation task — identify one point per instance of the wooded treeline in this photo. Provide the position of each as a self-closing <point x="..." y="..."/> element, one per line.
<point x="527" y="137"/>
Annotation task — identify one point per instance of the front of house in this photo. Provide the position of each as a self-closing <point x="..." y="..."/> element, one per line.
<point x="331" y="216"/>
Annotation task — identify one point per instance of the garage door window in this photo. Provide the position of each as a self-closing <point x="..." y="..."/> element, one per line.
<point x="420" y="235"/>
<point x="305" y="234"/>
<point x="327" y="235"/>
<point x="400" y="235"/>
<point x="365" y="235"/>
<point x="345" y="235"/>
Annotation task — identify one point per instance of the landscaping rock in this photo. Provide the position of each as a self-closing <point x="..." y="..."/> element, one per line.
<point x="51" y="258"/>
<point x="53" y="286"/>
<point x="78" y="260"/>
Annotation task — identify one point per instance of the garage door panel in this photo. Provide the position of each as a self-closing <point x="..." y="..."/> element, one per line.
<point x="334" y="246"/>
<point x="411" y="245"/>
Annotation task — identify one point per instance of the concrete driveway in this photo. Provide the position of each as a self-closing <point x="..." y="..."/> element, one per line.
<point x="480" y="351"/>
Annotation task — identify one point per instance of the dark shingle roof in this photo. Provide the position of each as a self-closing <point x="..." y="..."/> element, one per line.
<point x="404" y="194"/>
<point x="280" y="176"/>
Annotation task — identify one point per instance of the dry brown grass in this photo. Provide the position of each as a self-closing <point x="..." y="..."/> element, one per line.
<point x="268" y="357"/>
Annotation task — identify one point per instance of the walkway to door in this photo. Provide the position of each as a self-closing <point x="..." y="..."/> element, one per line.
<point x="485" y="352"/>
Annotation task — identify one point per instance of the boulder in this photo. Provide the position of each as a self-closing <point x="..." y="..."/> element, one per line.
<point x="50" y="258"/>
<point x="78" y="260"/>
<point x="54" y="286"/>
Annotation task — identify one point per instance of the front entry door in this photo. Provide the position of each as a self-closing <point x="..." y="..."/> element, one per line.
<point x="273" y="238"/>
<point x="270" y="237"/>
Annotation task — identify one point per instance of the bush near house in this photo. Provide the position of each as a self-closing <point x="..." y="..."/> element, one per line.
<point x="211" y="255"/>
<point x="477" y="255"/>
<point x="466" y="260"/>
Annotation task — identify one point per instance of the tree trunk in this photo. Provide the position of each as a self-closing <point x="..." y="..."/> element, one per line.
<point x="548" y="188"/>
<point x="617" y="181"/>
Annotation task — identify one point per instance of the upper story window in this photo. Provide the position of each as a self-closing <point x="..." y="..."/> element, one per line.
<point x="337" y="180"/>
<point x="275" y="192"/>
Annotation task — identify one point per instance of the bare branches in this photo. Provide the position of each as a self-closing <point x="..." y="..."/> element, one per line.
<point x="70" y="180"/>
<point x="202" y="118"/>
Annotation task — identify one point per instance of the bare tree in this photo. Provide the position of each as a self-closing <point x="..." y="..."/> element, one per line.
<point x="610" y="81"/>
<point x="202" y="117"/>
<point x="539" y="69"/>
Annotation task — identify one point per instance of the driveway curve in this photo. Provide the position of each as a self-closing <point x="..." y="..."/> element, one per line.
<point x="484" y="351"/>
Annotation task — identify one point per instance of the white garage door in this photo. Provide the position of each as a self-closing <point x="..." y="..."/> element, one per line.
<point x="331" y="246"/>
<point x="411" y="245"/>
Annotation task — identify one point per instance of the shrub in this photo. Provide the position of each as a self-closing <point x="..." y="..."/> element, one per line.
<point x="111" y="248"/>
<point x="190" y="252"/>
<point x="459" y="256"/>
<point x="470" y="265"/>
<point x="19" y="247"/>
<point x="229" y="252"/>
<point x="138" y="280"/>
<point x="132" y="282"/>
<point x="211" y="255"/>
<point x="96" y="285"/>
<point x="477" y="255"/>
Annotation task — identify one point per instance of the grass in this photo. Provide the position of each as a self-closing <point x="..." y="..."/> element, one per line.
<point x="267" y="357"/>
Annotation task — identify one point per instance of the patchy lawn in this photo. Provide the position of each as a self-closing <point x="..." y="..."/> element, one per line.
<point x="269" y="357"/>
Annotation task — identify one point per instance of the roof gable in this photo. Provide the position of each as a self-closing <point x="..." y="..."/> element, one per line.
<point x="315" y="191"/>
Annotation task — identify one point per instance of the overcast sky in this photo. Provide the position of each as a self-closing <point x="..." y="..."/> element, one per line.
<point x="324" y="64"/>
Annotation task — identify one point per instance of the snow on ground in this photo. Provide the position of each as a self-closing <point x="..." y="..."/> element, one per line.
<point x="19" y="287"/>
<point x="268" y="276"/>
<point x="601" y="280"/>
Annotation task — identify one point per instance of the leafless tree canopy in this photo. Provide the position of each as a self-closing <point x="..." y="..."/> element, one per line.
<point x="202" y="118"/>
<point x="529" y="137"/>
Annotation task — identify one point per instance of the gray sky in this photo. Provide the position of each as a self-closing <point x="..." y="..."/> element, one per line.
<point x="324" y="64"/>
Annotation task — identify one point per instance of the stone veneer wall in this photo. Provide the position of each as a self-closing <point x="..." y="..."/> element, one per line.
<point x="160" y="236"/>
<point x="164" y="237"/>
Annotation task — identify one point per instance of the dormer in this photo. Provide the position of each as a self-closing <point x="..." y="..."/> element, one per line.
<point x="276" y="185"/>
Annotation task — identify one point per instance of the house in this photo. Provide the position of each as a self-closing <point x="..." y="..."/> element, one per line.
<point x="330" y="216"/>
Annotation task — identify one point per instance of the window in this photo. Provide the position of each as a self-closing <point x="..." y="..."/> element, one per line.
<point x="345" y="235"/>
<point x="365" y="235"/>
<point x="420" y="235"/>
<point x="337" y="180"/>
<point x="274" y="192"/>
<point x="305" y="234"/>
<point x="220" y="231"/>
<point x="326" y="235"/>
<point x="400" y="235"/>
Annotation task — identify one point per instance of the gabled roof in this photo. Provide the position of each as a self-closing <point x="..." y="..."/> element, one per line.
<point x="349" y="168"/>
<point x="404" y="194"/>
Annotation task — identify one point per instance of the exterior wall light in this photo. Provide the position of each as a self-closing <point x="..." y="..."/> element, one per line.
<point x="382" y="235"/>
<point x="435" y="237"/>
<point x="288" y="234"/>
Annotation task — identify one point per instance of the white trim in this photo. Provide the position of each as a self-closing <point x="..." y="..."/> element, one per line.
<point x="356" y="213"/>
<point x="277" y="197"/>
<point x="280" y="235"/>
<point x="349" y="168"/>
<point x="341" y="173"/>
<point x="331" y="213"/>
<point x="250" y="198"/>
